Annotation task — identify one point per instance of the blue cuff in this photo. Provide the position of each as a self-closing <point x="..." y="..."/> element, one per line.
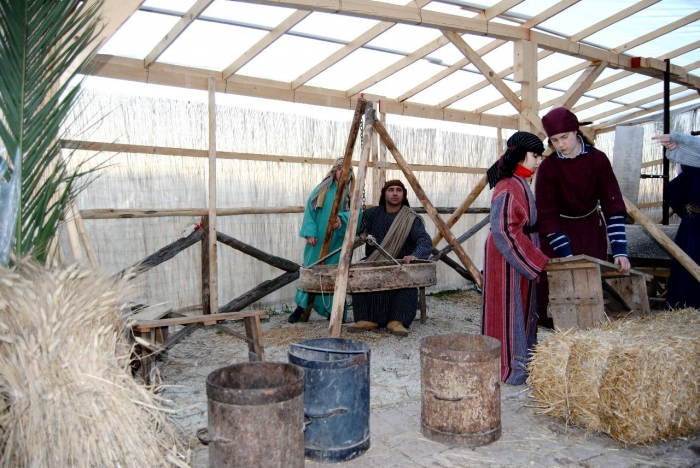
<point x="617" y="235"/>
<point x="560" y="244"/>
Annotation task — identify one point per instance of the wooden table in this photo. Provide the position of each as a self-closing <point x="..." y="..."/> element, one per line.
<point x="576" y="291"/>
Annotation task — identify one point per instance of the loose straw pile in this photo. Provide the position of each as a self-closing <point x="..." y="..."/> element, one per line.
<point x="67" y="397"/>
<point x="637" y="380"/>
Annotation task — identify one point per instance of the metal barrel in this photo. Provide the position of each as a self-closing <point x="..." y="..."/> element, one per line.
<point x="460" y="389"/>
<point x="336" y="399"/>
<point x="256" y="416"/>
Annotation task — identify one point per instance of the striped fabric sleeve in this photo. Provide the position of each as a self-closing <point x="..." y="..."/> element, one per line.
<point x="560" y="243"/>
<point x="617" y="235"/>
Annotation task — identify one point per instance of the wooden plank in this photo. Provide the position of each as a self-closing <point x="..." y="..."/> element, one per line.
<point x="430" y="209"/>
<point x="575" y="298"/>
<point x="563" y="315"/>
<point x="143" y="326"/>
<point x="255" y="50"/>
<point x="580" y="86"/>
<point x="338" y="307"/>
<point x="473" y="195"/>
<point x="154" y="312"/>
<point x="211" y="254"/>
<point x="179" y="27"/>
<point x="610" y="20"/>
<point x="272" y="260"/>
<point x="256" y="351"/>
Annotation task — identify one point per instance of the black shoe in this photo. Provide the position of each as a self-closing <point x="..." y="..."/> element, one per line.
<point x="296" y="315"/>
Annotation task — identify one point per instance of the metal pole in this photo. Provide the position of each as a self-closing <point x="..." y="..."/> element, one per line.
<point x="667" y="129"/>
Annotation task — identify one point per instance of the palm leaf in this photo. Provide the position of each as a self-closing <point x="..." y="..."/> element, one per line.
<point x="40" y="41"/>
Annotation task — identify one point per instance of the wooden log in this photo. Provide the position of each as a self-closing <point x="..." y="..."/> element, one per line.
<point x="206" y="304"/>
<point x="336" y="320"/>
<point x="461" y="239"/>
<point x="476" y="191"/>
<point x="420" y="193"/>
<point x="162" y="255"/>
<point x="155" y="213"/>
<point x="211" y="254"/>
<point x="273" y="260"/>
<point x="455" y="266"/>
<point x="260" y="291"/>
<point x="663" y="239"/>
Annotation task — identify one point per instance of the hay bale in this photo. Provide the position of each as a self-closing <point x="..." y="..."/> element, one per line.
<point x="637" y="380"/>
<point x="68" y="395"/>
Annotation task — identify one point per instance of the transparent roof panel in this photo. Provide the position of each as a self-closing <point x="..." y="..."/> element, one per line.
<point x="139" y="35"/>
<point x="405" y="38"/>
<point x="617" y="85"/>
<point x="554" y="64"/>
<point x="193" y="47"/>
<point x="643" y="22"/>
<point x="582" y="15"/>
<point x="449" y="54"/>
<point x="336" y="27"/>
<point x="668" y="42"/>
<point x="247" y="13"/>
<point x="353" y="69"/>
<point x="586" y="114"/>
<point x="544" y="94"/>
<point x="503" y="109"/>
<point x="483" y="97"/>
<point x="565" y="83"/>
<point x="501" y="58"/>
<point x="288" y="57"/>
<point x="405" y="79"/>
<point x="688" y="59"/>
<point x="643" y="93"/>
<point x="179" y="7"/>
<point x="447" y="87"/>
<point x="530" y="8"/>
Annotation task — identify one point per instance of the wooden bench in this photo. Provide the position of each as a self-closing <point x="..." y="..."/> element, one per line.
<point x="576" y="291"/>
<point x="147" y="325"/>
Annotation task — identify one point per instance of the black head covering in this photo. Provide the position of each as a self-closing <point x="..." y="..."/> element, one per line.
<point x="394" y="183"/>
<point x="518" y="146"/>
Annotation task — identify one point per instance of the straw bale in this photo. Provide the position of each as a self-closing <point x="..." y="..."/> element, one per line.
<point x="637" y="380"/>
<point x="68" y="395"/>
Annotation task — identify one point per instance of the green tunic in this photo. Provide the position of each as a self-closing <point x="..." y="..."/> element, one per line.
<point x="314" y="225"/>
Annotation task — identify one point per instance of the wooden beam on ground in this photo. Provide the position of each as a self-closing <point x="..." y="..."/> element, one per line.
<point x="162" y="255"/>
<point x="212" y="256"/>
<point x="420" y="193"/>
<point x="473" y="195"/>
<point x="260" y="291"/>
<point x="291" y="21"/>
<point x="179" y="27"/>
<point x="580" y="86"/>
<point x="272" y="260"/>
<point x="665" y="241"/>
<point x="341" y="281"/>
<point x="171" y="322"/>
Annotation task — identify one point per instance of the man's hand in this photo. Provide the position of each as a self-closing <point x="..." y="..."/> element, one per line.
<point x="311" y="240"/>
<point x="623" y="264"/>
<point x="409" y="258"/>
<point x="337" y="223"/>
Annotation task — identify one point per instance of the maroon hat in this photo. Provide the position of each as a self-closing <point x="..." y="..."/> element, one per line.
<point x="559" y="120"/>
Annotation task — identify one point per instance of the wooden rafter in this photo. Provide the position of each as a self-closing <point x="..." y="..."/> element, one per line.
<point x="500" y="7"/>
<point x="548" y="13"/>
<point x="658" y="32"/>
<point x="609" y="21"/>
<point x="291" y="21"/>
<point x="641" y="113"/>
<point x="346" y="50"/>
<point x="493" y="45"/>
<point x="580" y="86"/>
<point x="632" y="105"/>
<point x="179" y="27"/>
<point x="432" y="46"/>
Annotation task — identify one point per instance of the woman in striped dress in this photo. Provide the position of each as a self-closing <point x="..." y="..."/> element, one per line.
<point x="513" y="260"/>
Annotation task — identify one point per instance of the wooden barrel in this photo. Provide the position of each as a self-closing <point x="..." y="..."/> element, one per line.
<point x="383" y="275"/>
<point x="461" y="391"/>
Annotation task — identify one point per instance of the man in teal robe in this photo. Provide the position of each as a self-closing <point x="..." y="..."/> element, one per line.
<point x="313" y="229"/>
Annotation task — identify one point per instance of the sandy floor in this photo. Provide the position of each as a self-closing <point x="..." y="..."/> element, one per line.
<point x="395" y="381"/>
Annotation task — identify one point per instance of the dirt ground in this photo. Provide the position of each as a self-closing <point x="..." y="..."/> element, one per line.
<point x="395" y="386"/>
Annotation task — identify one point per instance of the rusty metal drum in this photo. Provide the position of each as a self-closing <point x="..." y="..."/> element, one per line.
<point x="256" y="416"/>
<point x="461" y="391"/>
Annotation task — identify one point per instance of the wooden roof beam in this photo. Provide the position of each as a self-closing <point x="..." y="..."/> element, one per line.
<point x="291" y="21"/>
<point x="611" y="124"/>
<point x="460" y="24"/>
<point x="490" y="75"/>
<point x="580" y="86"/>
<point x="185" y="77"/>
<point x="619" y="16"/>
<point x="179" y="27"/>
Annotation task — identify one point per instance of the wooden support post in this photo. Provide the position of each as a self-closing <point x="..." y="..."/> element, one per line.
<point x="421" y="304"/>
<point x="429" y="208"/>
<point x="499" y="142"/>
<point x="256" y="351"/>
<point x="663" y="239"/>
<point x="525" y="73"/>
<point x="381" y="165"/>
<point x="211" y="251"/>
<point x="476" y="191"/>
<point x="341" y="281"/>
